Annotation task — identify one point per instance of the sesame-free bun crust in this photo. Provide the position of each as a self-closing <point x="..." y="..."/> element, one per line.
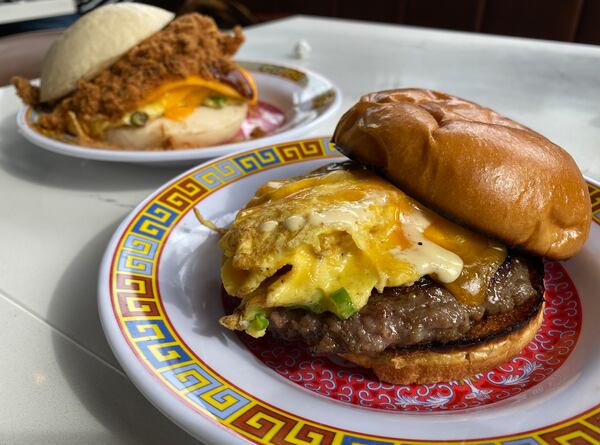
<point x="424" y="366"/>
<point x="472" y="165"/>
<point x="94" y="42"/>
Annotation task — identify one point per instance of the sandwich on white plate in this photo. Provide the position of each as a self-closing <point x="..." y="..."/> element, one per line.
<point x="131" y="76"/>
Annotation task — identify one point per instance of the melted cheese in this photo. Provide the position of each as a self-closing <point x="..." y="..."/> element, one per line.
<point x="481" y="257"/>
<point x="302" y="239"/>
<point x="178" y="99"/>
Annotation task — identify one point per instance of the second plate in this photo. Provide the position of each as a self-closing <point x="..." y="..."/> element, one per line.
<point x="305" y="98"/>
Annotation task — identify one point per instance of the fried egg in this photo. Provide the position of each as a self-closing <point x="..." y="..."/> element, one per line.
<point x="327" y="240"/>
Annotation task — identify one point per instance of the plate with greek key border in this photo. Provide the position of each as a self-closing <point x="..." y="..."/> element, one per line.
<point x="160" y="298"/>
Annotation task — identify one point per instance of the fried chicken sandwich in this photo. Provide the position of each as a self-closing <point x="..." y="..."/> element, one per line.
<point x="131" y="76"/>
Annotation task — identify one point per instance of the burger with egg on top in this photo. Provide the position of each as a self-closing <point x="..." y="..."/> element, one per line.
<point x="420" y="258"/>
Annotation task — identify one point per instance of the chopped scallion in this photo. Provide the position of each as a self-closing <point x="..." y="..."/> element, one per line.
<point x="259" y="323"/>
<point x="138" y="118"/>
<point x="215" y="101"/>
<point x="342" y="304"/>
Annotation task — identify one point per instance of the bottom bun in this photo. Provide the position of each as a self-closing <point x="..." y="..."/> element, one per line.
<point x="204" y="127"/>
<point x="441" y="364"/>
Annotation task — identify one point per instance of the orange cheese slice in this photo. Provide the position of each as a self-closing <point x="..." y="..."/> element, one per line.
<point x="179" y="98"/>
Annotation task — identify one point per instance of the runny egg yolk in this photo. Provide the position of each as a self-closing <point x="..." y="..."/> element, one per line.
<point x="301" y="240"/>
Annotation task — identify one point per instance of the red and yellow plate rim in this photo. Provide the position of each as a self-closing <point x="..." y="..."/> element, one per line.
<point x="138" y="310"/>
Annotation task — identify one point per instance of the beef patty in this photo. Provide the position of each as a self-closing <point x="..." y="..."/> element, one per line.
<point x="422" y="315"/>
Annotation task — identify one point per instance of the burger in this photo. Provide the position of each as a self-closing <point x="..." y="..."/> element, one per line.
<point x="422" y="257"/>
<point x="132" y="76"/>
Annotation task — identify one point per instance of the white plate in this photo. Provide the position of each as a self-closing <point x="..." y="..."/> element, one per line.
<point x="306" y="99"/>
<point x="159" y="301"/>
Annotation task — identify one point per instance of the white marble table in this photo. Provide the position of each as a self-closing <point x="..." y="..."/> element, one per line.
<point x="60" y="382"/>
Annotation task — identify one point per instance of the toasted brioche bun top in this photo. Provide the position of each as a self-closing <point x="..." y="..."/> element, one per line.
<point x="472" y="165"/>
<point x="94" y="42"/>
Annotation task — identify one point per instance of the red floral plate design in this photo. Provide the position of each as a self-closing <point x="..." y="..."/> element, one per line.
<point x="159" y="303"/>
